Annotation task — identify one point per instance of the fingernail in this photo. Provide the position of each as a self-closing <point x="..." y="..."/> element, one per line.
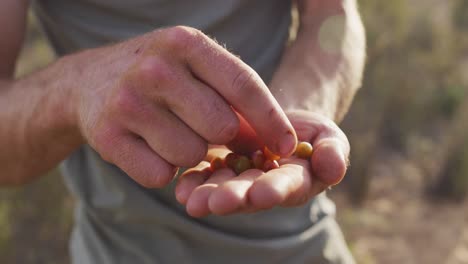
<point x="181" y="195"/>
<point x="330" y="163"/>
<point x="176" y="171"/>
<point x="287" y="144"/>
<point x="345" y="158"/>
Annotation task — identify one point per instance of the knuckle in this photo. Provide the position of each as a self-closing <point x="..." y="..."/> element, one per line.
<point x="333" y="130"/>
<point x="244" y="83"/>
<point x="149" y="172"/>
<point x="263" y="197"/>
<point x="127" y="104"/>
<point x="123" y="101"/>
<point x="146" y="182"/>
<point x="327" y="125"/>
<point x="224" y="130"/>
<point x="105" y="141"/>
<point x="195" y="154"/>
<point x="221" y="124"/>
<point x="106" y="156"/>
<point x="330" y="125"/>
<point x="164" y="176"/>
<point x="199" y="153"/>
<point x="156" y="70"/>
<point x="179" y="37"/>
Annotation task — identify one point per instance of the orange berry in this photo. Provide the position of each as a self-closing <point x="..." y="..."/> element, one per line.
<point x="304" y="150"/>
<point x="270" y="155"/>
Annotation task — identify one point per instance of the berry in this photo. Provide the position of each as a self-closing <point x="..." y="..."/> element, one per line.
<point x="258" y="159"/>
<point x="304" y="150"/>
<point x="270" y="165"/>
<point x="216" y="164"/>
<point x="241" y="164"/>
<point x="270" y="155"/>
<point x="230" y="159"/>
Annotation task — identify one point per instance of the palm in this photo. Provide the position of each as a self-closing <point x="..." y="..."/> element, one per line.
<point x="292" y="184"/>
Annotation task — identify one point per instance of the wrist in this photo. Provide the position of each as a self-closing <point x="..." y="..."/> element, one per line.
<point x="330" y="114"/>
<point x="293" y="113"/>
<point x="66" y="88"/>
<point x="56" y="104"/>
<point x="302" y="99"/>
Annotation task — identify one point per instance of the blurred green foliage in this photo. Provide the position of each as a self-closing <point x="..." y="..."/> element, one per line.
<point x="414" y="79"/>
<point x="5" y="232"/>
<point x="454" y="182"/>
<point x="35" y="222"/>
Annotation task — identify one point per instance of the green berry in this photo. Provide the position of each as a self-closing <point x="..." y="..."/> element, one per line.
<point x="242" y="164"/>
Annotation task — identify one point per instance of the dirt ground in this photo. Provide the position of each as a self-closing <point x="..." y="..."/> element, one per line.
<point x="398" y="223"/>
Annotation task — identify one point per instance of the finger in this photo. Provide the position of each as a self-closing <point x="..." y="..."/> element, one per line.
<point x="136" y="158"/>
<point x="276" y="186"/>
<point x="246" y="141"/>
<point x="197" y="204"/>
<point x="216" y="151"/>
<point x="190" y="180"/>
<point x="243" y="88"/>
<point x="331" y="146"/>
<point x="165" y="133"/>
<point x="329" y="161"/>
<point x="231" y="196"/>
<point x="310" y="186"/>
<point x="196" y="104"/>
<point x="331" y="152"/>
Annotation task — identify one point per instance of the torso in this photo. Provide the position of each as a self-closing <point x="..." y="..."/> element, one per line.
<point x="114" y="214"/>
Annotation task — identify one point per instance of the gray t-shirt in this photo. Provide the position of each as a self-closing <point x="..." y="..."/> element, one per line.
<point x="118" y="221"/>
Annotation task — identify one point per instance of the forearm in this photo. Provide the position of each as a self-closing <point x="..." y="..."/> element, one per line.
<point x="321" y="70"/>
<point x="37" y="130"/>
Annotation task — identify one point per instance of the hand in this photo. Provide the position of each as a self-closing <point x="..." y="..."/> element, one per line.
<point x="153" y="103"/>
<point x="292" y="184"/>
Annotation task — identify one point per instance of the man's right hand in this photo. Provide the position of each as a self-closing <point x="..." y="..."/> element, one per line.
<point x="155" y="102"/>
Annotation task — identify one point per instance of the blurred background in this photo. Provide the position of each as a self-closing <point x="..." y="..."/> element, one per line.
<point x="403" y="200"/>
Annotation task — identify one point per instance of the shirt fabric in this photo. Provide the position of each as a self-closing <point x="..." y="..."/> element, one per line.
<point x="117" y="220"/>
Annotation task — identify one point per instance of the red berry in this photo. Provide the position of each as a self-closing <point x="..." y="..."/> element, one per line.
<point x="216" y="164"/>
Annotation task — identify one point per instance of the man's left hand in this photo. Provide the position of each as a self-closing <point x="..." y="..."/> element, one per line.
<point x="294" y="183"/>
